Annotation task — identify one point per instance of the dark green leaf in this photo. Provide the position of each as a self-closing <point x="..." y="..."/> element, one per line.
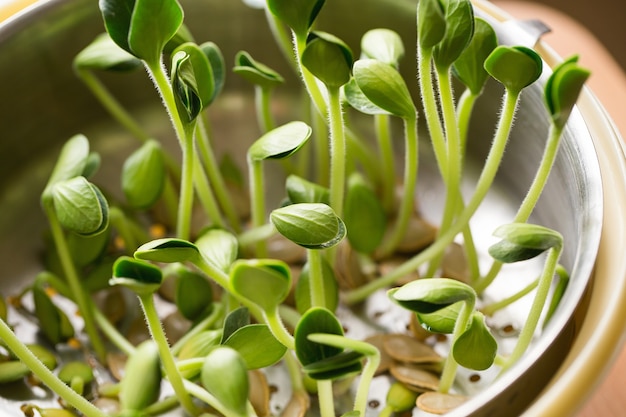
<point x="103" y="54"/>
<point x="76" y="369"/>
<point x="384" y="86"/>
<point x="303" y="288"/>
<point x="297" y="14"/>
<point x="316" y="320"/>
<point x="194" y="294"/>
<point x="476" y="348"/>
<point x="225" y="376"/>
<point x="256" y="72"/>
<point x="328" y="58"/>
<point x="336" y="366"/>
<point x="470" y="65"/>
<point x="431" y="23"/>
<point x="265" y="282"/>
<point x="428" y="295"/>
<point x="141" y="277"/>
<point x="523" y="241"/>
<point x="247" y="340"/>
<point x="200" y="344"/>
<point x="384" y="45"/>
<point x="80" y="206"/>
<point x="280" y="142"/>
<point x="153" y="23"/>
<point x="311" y="225"/>
<point x="218" y="66"/>
<point x="300" y="190"/>
<point x="87" y="249"/>
<point x="53" y="322"/>
<point x="235" y="320"/>
<point x="364" y="215"/>
<point x="459" y="15"/>
<point x="117" y="15"/>
<point x="192" y="80"/>
<point x="562" y="89"/>
<point x="143" y="175"/>
<point x="167" y="250"/>
<point x="516" y="67"/>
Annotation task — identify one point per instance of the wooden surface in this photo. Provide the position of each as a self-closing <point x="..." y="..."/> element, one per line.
<point x="608" y="83"/>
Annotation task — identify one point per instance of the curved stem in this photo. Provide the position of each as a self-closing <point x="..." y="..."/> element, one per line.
<point x="482" y="187"/>
<point x="216" y="313"/>
<point x="45" y="375"/>
<point x="543" y="288"/>
<point x="531" y="198"/>
<point x="278" y="329"/>
<point x="326" y="398"/>
<point x="490" y="309"/>
<point x="84" y="303"/>
<point x="464" y="115"/>
<point x="262" y="105"/>
<point x="203" y="395"/>
<point x="171" y="371"/>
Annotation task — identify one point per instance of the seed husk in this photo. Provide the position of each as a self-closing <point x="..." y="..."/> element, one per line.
<point x="378" y="340"/>
<point x="420" y="233"/>
<point x="405" y="348"/>
<point x="389" y="264"/>
<point x="298" y="405"/>
<point x="279" y="247"/>
<point x="454" y="263"/>
<point x="415" y="378"/>
<point x="348" y="270"/>
<point x="259" y="393"/>
<point x="439" y="403"/>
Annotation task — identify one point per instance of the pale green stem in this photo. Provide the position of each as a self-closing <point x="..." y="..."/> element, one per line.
<point x="205" y="193"/>
<point x="169" y="365"/>
<point x="257" y="199"/>
<point x="532" y="196"/>
<point x="385" y="149"/>
<point x="453" y="158"/>
<point x="278" y="329"/>
<point x="161" y="407"/>
<point x="490" y="309"/>
<point x="318" y="295"/>
<point x="262" y="105"/>
<point x="326" y="398"/>
<point x="543" y="288"/>
<point x="215" y="177"/>
<point x="322" y="151"/>
<point x="450" y="366"/>
<point x="482" y="187"/>
<point x="337" y="152"/>
<point x="185" y="205"/>
<point x="407" y="204"/>
<point x="430" y="109"/>
<point x="170" y="200"/>
<point x="71" y="275"/>
<point x="45" y="375"/>
<point x="464" y="116"/>
<point x="112" y="105"/>
<point x="185" y="139"/>
<point x="282" y="38"/>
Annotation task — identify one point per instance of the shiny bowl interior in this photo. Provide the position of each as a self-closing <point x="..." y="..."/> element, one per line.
<point x="44" y="104"/>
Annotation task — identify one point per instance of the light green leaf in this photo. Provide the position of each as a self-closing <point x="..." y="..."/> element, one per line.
<point x="459" y="15"/>
<point x="141" y="384"/>
<point x="316" y="320"/>
<point x="516" y="67"/>
<point x="167" y="250"/>
<point x="297" y="14"/>
<point x="431" y="23"/>
<point x="256" y="72"/>
<point x="71" y="161"/>
<point x="311" y="225"/>
<point x="364" y="215"/>
<point x="194" y="294"/>
<point x="219" y="247"/>
<point x="303" y="288"/>
<point x="384" y="86"/>
<point x="143" y="175"/>
<point x="428" y="295"/>
<point x="470" y="65"/>
<point x="522" y="241"/>
<point x="280" y="142"/>
<point x="246" y="340"/>
<point x="476" y="348"/>
<point x="104" y="54"/>
<point x="265" y="282"/>
<point x="141" y="277"/>
<point x="80" y="206"/>
<point x="300" y="190"/>
<point x="225" y="376"/>
<point x="563" y="88"/>
<point x="384" y="45"/>
<point x="328" y="58"/>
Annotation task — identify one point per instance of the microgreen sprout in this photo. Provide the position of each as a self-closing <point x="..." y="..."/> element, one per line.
<point x="235" y="299"/>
